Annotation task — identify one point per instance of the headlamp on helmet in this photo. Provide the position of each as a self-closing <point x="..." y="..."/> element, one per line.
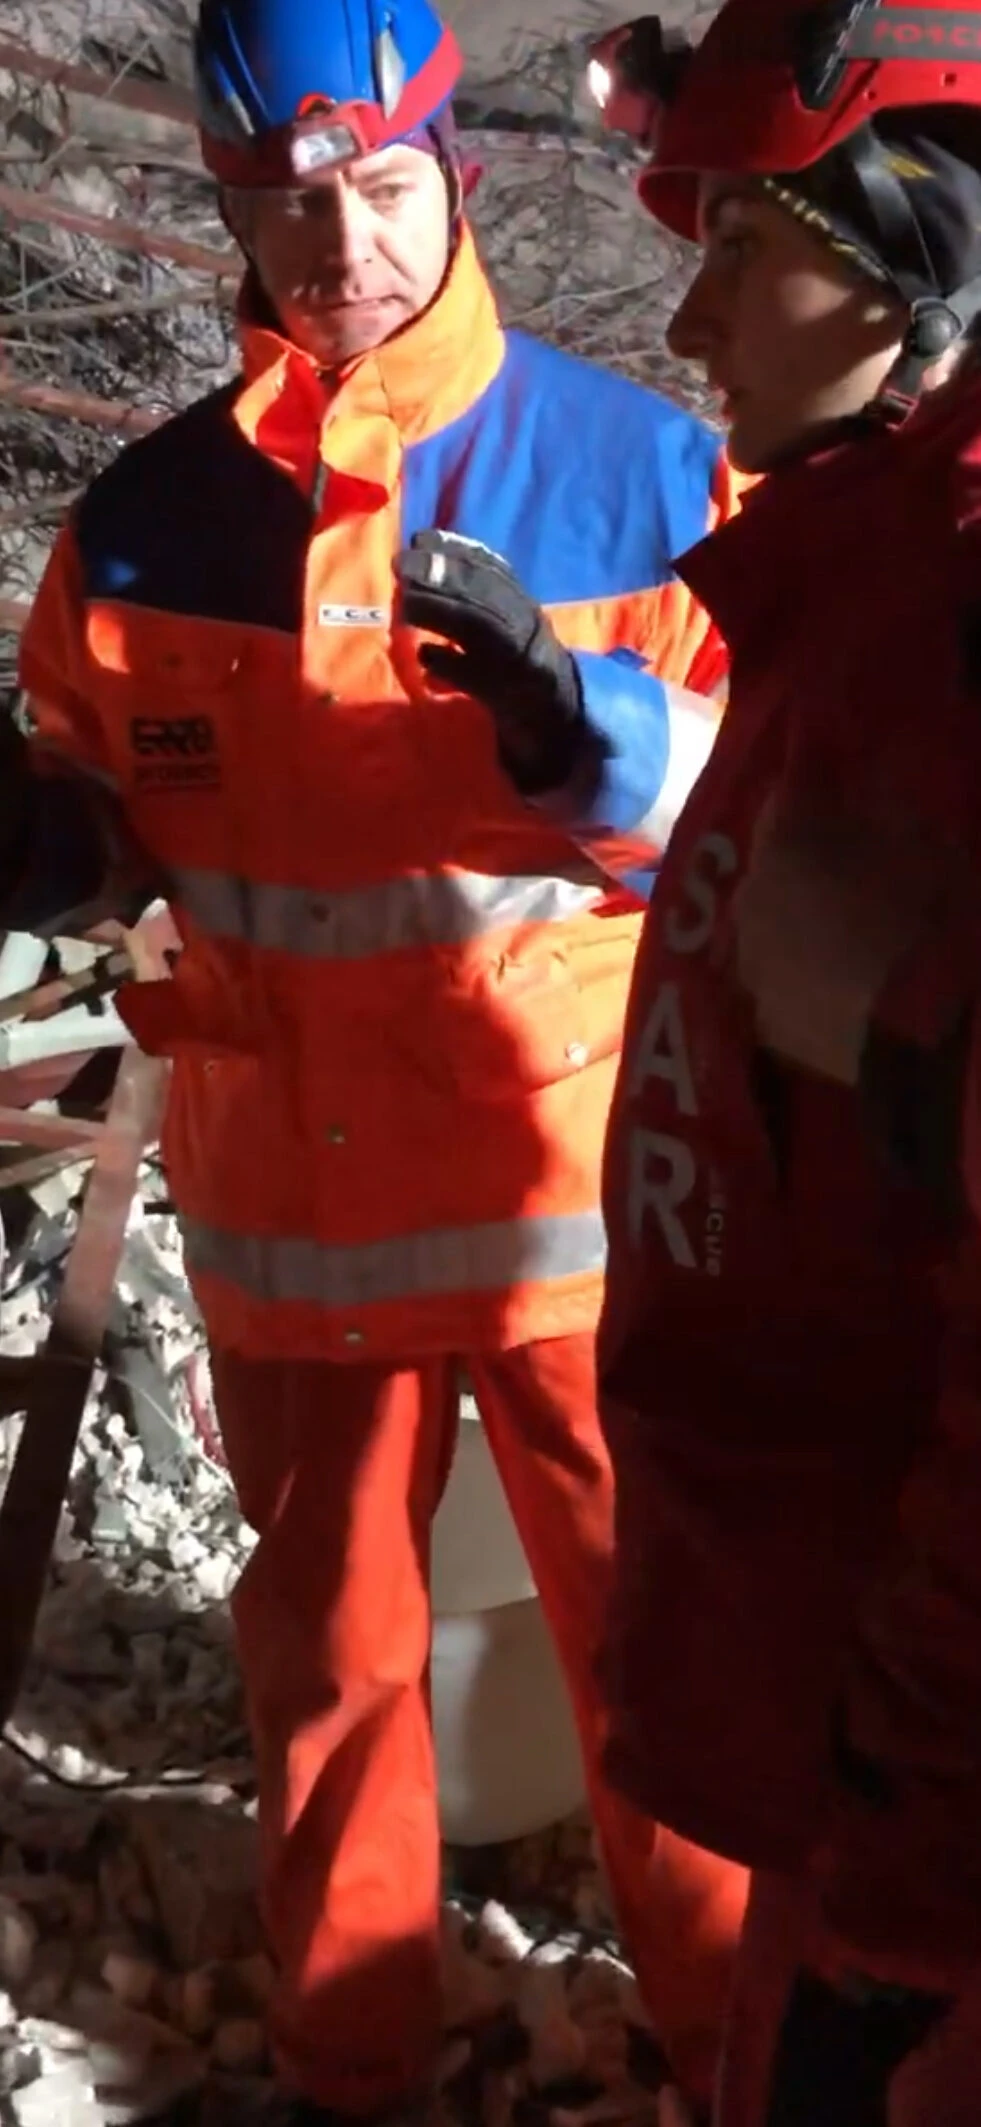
<point x="633" y="73"/>
<point x="804" y="96"/>
<point x="288" y="89"/>
<point x="321" y="149"/>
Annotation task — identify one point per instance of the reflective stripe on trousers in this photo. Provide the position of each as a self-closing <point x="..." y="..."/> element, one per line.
<point x="417" y="910"/>
<point x="461" y="1259"/>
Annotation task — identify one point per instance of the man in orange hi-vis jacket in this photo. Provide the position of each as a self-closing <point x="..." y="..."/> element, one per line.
<point x="396" y="1017"/>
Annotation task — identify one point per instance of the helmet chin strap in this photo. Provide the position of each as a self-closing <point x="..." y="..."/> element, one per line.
<point x="936" y="325"/>
<point x="937" y="322"/>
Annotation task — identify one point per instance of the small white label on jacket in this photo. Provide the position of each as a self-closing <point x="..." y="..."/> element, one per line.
<point x="352" y="616"/>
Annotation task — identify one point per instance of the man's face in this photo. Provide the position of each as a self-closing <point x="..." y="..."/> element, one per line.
<point x="347" y="260"/>
<point x="786" y="333"/>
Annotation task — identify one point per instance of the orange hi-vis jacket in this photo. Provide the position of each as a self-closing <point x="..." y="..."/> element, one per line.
<point x="396" y="1017"/>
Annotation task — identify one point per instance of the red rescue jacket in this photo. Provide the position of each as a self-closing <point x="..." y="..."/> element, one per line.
<point x="791" y="1347"/>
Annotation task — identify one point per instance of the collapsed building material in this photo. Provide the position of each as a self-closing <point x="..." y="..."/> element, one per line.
<point x="43" y="208"/>
<point x="156" y="99"/>
<point x="119" y="111"/>
<point x="59" y="1386"/>
<point x="61" y="405"/>
<point x="19" y="1126"/>
<point x="58" y="1392"/>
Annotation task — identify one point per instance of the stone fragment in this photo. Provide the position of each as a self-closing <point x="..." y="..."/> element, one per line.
<point x="239" y="2045"/>
<point x="50" y="1974"/>
<point x="201" y="1864"/>
<point x="65" y="2098"/>
<point x="130" y="1979"/>
<point x="18" y="1944"/>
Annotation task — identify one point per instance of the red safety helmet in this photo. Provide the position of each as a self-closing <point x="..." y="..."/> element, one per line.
<point x="779" y="87"/>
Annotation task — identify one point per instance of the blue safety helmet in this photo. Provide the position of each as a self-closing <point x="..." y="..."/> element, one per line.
<point x="287" y="88"/>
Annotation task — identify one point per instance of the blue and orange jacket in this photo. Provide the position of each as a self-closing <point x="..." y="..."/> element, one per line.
<point x="396" y="1017"/>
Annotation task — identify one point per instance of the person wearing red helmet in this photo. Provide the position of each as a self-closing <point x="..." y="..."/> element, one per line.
<point x="790" y="1354"/>
<point x="395" y="1018"/>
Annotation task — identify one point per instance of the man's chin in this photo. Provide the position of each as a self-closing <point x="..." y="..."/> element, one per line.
<point x="337" y="336"/>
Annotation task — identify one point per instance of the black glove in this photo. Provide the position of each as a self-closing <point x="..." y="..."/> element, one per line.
<point x="505" y="654"/>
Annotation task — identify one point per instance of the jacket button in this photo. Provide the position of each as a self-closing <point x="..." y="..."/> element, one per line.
<point x="354" y="1336"/>
<point x="336" y="1136"/>
<point x="577" y="1054"/>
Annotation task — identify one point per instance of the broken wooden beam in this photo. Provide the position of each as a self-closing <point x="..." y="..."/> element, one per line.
<point x="134" y="119"/>
<point x="61" y="1376"/>
<point x="156" y="99"/>
<point x="45" y="209"/>
<point x="44" y="999"/>
<point x="73" y="317"/>
<point x="25" y="1171"/>
<point x="54" y="1133"/>
<point x="61" y="405"/>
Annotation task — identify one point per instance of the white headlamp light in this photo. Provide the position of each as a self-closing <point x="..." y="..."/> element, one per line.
<point x="321" y="150"/>
<point x="599" y="82"/>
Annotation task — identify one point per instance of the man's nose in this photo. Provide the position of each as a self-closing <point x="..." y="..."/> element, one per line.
<point x="354" y="227"/>
<point x="696" y="328"/>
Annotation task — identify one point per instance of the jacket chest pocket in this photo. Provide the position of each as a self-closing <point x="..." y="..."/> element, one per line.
<point x="490" y="1027"/>
<point x="185" y="712"/>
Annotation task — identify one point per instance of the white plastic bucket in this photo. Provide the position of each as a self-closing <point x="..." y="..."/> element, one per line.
<point x="506" y="1746"/>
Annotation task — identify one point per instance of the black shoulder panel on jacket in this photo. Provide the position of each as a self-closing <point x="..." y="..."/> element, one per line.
<point x="194" y="520"/>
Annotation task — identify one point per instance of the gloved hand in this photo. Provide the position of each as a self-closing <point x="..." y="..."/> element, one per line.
<point x="504" y="653"/>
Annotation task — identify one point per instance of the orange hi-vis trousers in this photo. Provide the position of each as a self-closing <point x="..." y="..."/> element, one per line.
<point x="340" y="1471"/>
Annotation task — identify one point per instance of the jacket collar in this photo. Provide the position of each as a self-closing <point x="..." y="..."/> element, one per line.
<point x="774" y="555"/>
<point x="783" y="548"/>
<point x="424" y="378"/>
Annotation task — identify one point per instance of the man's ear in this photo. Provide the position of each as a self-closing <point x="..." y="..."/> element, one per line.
<point x="453" y="179"/>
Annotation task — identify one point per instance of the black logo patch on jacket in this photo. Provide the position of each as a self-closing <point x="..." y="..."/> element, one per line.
<point x="175" y="753"/>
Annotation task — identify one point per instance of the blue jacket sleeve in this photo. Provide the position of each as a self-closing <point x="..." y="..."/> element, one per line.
<point x="644" y="745"/>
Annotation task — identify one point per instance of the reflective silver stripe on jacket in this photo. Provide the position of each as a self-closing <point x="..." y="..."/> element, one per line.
<point x="417" y="910"/>
<point x="454" y="1260"/>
